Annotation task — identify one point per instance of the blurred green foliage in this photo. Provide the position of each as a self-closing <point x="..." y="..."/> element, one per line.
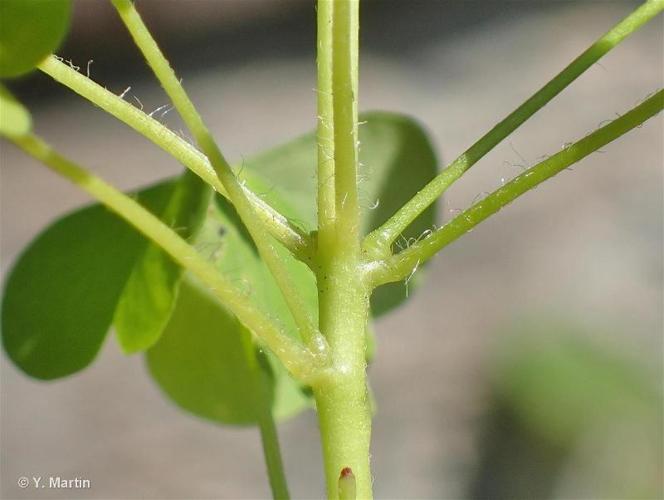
<point x="569" y="417"/>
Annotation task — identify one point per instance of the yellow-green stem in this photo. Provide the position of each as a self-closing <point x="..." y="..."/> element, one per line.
<point x="325" y="129"/>
<point x="341" y="397"/>
<point x="267" y="425"/>
<point x="342" y="401"/>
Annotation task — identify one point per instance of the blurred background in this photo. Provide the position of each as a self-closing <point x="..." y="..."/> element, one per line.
<point x="529" y="365"/>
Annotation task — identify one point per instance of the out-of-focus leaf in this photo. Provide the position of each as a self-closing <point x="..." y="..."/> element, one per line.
<point x="562" y="407"/>
<point x="399" y="160"/>
<point x="370" y="349"/>
<point x="15" y="119"/>
<point x="149" y="295"/>
<point x="396" y="159"/>
<point x="560" y="383"/>
<point x="60" y="296"/>
<point x="31" y="30"/>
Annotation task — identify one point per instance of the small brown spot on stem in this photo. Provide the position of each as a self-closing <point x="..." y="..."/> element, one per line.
<point x="347" y="484"/>
<point x="346" y="472"/>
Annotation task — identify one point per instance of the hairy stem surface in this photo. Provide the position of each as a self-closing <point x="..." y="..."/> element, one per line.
<point x="325" y="131"/>
<point x="293" y="238"/>
<point x="382" y="238"/>
<point x="404" y="263"/>
<point x="341" y="397"/>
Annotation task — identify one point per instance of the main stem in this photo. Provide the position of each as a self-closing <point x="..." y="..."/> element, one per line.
<point x="342" y="403"/>
<point x="341" y="397"/>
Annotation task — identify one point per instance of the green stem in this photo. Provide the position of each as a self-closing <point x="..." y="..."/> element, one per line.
<point x="268" y="429"/>
<point x="275" y="470"/>
<point x="345" y="29"/>
<point x="236" y="193"/>
<point x="325" y="130"/>
<point x="406" y="262"/>
<point x="342" y="401"/>
<point x="298" y="242"/>
<point x="298" y="360"/>
<point x="381" y="239"/>
<point x="341" y="398"/>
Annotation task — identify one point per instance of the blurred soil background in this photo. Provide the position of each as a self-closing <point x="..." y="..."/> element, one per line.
<point x="580" y="257"/>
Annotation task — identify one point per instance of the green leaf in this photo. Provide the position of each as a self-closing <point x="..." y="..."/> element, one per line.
<point x="89" y="269"/>
<point x="60" y="296"/>
<point x="149" y="295"/>
<point x="62" y="293"/>
<point x="238" y="259"/>
<point x="396" y="159"/>
<point x="201" y="361"/>
<point x="31" y="30"/>
<point x="205" y="363"/>
<point x="15" y="119"/>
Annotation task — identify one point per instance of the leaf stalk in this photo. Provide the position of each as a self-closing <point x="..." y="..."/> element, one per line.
<point x="293" y="238"/>
<point x="236" y="193"/>
<point x="383" y="237"/>
<point x="401" y="265"/>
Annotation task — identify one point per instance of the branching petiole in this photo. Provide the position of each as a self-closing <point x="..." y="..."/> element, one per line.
<point x="381" y="239"/>
<point x="401" y="265"/>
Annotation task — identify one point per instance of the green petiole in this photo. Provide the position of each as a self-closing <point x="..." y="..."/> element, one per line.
<point x="380" y="240"/>
<point x="401" y="265"/>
